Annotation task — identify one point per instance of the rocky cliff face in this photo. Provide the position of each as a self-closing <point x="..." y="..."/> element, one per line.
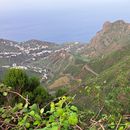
<point x="112" y="37"/>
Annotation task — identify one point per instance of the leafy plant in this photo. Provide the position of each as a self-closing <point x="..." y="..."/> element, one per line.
<point x="60" y="115"/>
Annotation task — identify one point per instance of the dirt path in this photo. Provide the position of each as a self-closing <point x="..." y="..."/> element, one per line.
<point x="90" y="70"/>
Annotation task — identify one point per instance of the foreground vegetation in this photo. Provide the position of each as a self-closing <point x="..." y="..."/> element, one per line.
<point x="25" y="104"/>
<point x="38" y="110"/>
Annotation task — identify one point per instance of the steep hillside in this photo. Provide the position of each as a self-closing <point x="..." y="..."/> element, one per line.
<point x="112" y="81"/>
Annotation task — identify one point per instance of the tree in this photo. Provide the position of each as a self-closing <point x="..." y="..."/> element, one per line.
<point x="34" y="82"/>
<point x="17" y="79"/>
<point x="24" y="85"/>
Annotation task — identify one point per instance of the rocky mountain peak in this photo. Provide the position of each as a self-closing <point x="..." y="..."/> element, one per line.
<point x="120" y="22"/>
<point x="115" y="26"/>
<point x="112" y="37"/>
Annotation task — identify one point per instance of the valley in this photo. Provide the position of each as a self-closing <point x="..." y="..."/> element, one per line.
<point x="95" y="76"/>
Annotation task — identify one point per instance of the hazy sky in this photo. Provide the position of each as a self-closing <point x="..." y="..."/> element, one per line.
<point x="58" y="20"/>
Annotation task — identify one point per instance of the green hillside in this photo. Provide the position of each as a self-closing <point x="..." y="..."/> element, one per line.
<point x="113" y="82"/>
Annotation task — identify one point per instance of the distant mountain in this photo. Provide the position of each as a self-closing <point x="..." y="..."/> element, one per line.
<point x="23" y="52"/>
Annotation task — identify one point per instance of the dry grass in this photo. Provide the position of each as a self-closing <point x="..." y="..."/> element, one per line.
<point x="60" y="82"/>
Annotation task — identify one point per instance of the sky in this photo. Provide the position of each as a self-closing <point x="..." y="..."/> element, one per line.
<point x="58" y="20"/>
